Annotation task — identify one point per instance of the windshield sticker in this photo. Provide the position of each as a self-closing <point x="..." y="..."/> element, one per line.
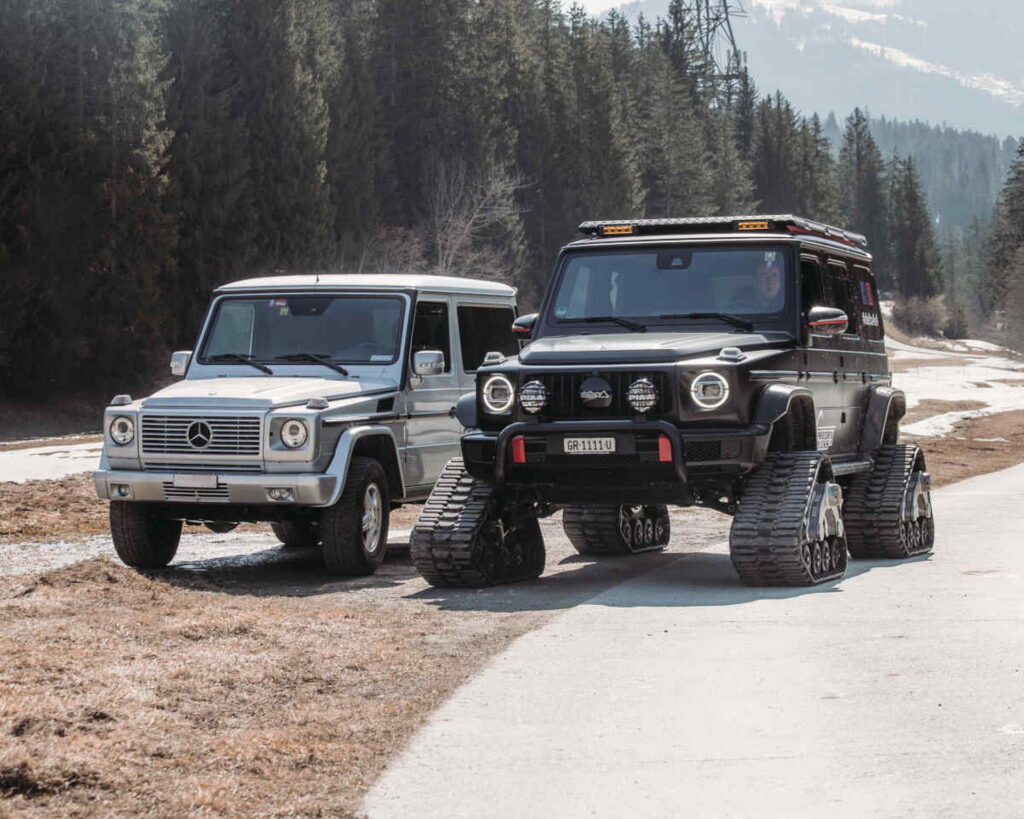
<point x="561" y="311"/>
<point x="769" y="258"/>
<point x="825" y="437"/>
<point x="380" y="358"/>
<point x="869" y="319"/>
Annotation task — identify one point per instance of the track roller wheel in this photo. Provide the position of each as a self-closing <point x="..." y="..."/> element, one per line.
<point x="888" y="511"/>
<point x="788" y="529"/>
<point x="616" y="530"/>
<point x="467" y="536"/>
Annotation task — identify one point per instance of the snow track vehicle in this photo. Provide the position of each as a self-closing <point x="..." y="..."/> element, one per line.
<point x="732" y="362"/>
<point x="314" y="403"/>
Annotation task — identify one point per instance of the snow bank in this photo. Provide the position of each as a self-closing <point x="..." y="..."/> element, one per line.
<point x="49" y="462"/>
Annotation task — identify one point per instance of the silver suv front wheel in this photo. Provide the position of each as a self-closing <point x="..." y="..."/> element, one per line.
<point x="355" y="530"/>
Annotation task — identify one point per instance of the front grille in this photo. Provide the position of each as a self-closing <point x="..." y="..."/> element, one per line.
<point x="229" y="435"/>
<point x="217" y="494"/>
<point x="204" y="467"/>
<point x="565" y="401"/>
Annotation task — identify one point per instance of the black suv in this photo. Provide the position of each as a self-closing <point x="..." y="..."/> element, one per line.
<point x="731" y="362"/>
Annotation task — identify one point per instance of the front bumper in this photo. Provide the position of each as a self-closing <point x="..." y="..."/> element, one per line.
<point x="224" y="488"/>
<point x="701" y="461"/>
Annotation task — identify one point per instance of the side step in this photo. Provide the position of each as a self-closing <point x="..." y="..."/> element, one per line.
<point x="851" y="468"/>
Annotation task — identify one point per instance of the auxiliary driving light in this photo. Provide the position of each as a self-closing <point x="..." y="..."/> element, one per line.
<point x="533" y="396"/>
<point x="122" y="490"/>
<point x="709" y="390"/>
<point x="280" y="493"/>
<point x="642" y="395"/>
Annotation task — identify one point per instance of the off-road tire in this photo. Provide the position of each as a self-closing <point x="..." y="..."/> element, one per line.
<point x="774" y="540"/>
<point x="142" y="540"/>
<point x="467" y="536"/>
<point x="341" y="526"/>
<point x="602" y="531"/>
<point x="873" y="511"/>
<point x="296" y="534"/>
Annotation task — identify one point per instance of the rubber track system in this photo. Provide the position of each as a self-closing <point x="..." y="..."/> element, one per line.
<point x="599" y="530"/>
<point x="877" y="525"/>
<point x="464" y="537"/>
<point x="777" y="536"/>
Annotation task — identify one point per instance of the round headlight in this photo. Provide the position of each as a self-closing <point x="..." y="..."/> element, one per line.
<point x="122" y="430"/>
<point x="642" y="395"/>
<point x="294" y="433"/>
<point x="709" y="390"/>
<point x="533" y="396"/>
<point x="498" y="394"/>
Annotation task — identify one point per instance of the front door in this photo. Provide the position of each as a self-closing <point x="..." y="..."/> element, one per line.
<point x="431" y="429"/>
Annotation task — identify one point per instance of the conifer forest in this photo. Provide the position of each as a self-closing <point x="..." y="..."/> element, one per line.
<point x="153" y="149"/>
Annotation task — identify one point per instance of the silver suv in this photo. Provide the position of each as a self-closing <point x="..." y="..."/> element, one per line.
<point x="316" y="404"/>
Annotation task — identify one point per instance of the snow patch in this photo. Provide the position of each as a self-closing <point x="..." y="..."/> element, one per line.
<point x="49" y="462"/>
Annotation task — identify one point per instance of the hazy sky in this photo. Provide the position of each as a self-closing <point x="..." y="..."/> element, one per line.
<point x="594" y="6"/>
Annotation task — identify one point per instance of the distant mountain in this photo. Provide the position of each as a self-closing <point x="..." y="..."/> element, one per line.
<point x="943" y="61"/>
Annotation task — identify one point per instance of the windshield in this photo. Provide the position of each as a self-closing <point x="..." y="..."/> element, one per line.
<point x="666" y="283"/>
<point x="347" y="329"/>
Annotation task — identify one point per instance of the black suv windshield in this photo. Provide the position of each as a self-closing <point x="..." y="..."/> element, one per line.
<point x="675" y="285"/>
<point x="300" y="330"/>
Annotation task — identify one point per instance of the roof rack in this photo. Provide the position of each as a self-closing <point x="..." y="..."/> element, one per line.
<point x="705" y="224"/>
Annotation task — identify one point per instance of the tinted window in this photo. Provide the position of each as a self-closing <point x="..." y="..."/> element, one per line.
<point x="430" y="330"/>
<point x="351" y="329"/>
<point x="483" y="329"/>
<point x="839" y="292"/>
<point x="646" y="284"/>
<point x="870" y="314"/>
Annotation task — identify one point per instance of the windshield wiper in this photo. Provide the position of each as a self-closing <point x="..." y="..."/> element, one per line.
<point x="313" y="358"/>
<point x="742" y="324"/>
<point x="241" y="358"/>
<point x="635" y="326"/>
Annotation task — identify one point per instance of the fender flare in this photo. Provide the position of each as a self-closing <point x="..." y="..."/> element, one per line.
<point x="773" y="403"/>
<point x="465" y="410"/>
<point x="346" y="448"/>
<point x="884" y="404"/>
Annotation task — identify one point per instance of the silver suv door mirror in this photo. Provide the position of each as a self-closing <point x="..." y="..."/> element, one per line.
<point x="827" y="321"/>
<point x="179" y="362"/>
<point x="428" y="362"/>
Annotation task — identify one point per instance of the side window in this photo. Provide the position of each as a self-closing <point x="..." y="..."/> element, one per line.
<point x="839" y="293"/>
<point x="870" y="315"/>
<point x="810" y="284"/>
<point x="482" y="329"/>
<point x="430" y="330"/>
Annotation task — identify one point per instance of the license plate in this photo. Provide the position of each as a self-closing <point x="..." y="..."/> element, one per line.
<point x="195" y="481"/>
<point x="588" y="446"/>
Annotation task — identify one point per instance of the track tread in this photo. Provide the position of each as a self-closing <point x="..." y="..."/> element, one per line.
<point x="464" y="538"/>
<point x="594" y="530"/>
<point x="767" y="538"/>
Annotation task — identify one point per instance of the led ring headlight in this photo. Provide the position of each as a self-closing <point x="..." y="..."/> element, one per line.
<point x="709" y="390"/>
<point x="122" y="430"/>
<point x="498" y="394"/>
<point x="294" y="433"/>
<point x="642" y="395"/>
<point x="533" y="396"/>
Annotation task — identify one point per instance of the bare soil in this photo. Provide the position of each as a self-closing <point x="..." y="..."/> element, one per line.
<point x="969" y="450"/>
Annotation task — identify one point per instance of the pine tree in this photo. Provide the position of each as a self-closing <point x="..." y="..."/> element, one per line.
<point x="776" y="160"/>
<point x="1006" y="237"/>
<point x="816" y="196"/>
<point x="862" y="193"/>
<point x="915" y="260"/>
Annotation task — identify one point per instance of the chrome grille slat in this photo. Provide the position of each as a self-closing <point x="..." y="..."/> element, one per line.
<point x="178" y="466"/>
<point x="212" y="495"/>
<point x="231" y="435"/>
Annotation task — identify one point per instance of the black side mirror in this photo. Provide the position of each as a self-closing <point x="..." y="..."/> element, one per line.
<point x="827" y="321"/>
<point x="522" y="327"/>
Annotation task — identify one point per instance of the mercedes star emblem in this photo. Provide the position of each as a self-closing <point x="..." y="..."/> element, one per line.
<point x="199" y="434"/>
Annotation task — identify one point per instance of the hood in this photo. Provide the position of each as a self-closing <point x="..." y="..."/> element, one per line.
<point x="260" y="393"/>
<point x="639" y="348"/>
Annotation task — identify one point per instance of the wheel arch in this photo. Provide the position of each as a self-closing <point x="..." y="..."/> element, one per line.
<point x="374" y="441"/>
<point x="782" y="403"/>
<point x="885" y="407"/>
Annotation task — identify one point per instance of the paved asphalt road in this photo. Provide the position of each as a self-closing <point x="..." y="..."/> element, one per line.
<point x="898" y="691"/>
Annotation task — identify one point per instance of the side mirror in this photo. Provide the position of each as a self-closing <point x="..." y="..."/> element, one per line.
<point x="827" y="321"/>
<point x="179" y="362"/>
<point x="522" y="327"/>
<point x="428" y="362"/>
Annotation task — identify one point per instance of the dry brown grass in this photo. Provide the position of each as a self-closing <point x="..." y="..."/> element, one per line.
<point x="963" y="455"/>
<point x="122" y="695"/>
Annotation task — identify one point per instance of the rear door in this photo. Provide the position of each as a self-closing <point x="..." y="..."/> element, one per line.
<point x="821" y="359"/>
<point x="431" y="430"/>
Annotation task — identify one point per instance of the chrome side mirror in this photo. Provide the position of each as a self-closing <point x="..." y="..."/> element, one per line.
<point x="179" y="362"/>
<point x="428" y="362"/>
<point x="827" y="321"/>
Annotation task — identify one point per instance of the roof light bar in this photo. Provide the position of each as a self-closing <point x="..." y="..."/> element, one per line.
<point x="717" y="224"/>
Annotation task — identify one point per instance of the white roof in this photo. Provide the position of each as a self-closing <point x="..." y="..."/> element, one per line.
<point x="386" y="281"/>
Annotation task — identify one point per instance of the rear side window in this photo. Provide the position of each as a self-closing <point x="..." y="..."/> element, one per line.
<point x="430" y="330"/>
<point x="839" y="292"/>
<point x="870" y="314"/>
<point x="483" y="329"/>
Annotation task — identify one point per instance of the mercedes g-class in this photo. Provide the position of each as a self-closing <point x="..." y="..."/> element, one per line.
<point x="315" y="403"/>
<point x="732" y="362"/>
